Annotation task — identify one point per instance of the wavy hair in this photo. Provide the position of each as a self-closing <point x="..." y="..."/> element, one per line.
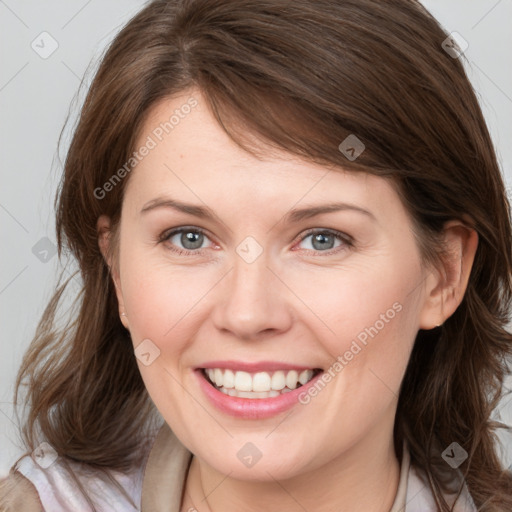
<point x="300" y="76"/>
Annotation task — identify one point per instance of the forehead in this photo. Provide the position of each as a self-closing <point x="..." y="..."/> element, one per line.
<point x="192" y="157"/>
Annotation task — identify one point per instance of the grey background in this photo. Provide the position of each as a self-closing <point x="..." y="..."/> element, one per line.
<point x="36" y="94"/>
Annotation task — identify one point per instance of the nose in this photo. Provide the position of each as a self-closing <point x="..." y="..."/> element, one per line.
<point x="253" y="302"/>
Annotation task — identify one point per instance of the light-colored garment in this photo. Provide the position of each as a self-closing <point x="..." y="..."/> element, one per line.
<point x="157" y="486"/>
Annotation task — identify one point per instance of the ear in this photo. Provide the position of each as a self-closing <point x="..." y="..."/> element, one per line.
<point x="445" y="286"/>
<point x="104" y="230"/>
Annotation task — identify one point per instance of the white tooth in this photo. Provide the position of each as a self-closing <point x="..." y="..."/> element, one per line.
<point x="218" y="377"/>
<point x="261" y="382"/>
<point x="278" y="381"/>
<point x="259" y="385"/>
<point x="229" y="379"/>
<point x="305" y="376"/>
<point x="243" y="381"/>
<point x="291" y="379"/>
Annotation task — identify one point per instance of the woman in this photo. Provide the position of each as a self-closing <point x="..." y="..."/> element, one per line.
<point x="294" y="243"/>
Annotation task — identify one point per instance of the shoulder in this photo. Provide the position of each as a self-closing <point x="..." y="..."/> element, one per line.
<point x="18" y="493"/>
<point x="44" y="481"/>
<point x="55" y="483"/>
<point x="66" y="485"/>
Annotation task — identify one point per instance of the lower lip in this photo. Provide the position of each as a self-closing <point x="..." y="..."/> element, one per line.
<point x="252" y="408"/>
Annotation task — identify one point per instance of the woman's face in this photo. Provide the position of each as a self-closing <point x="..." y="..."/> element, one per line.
<point x="267" y="283"/>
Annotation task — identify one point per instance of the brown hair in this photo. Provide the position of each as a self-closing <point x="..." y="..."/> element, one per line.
<point x="301" y="76"/>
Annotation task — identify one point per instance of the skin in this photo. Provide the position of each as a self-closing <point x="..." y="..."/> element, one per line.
<point x="294" y="303"/>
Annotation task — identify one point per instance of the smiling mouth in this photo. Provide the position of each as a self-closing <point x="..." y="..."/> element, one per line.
<point x="257" y="385"/>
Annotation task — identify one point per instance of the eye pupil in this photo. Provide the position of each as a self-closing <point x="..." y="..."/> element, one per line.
<point x="193" y="238"/>
<point x="323" y="241"/>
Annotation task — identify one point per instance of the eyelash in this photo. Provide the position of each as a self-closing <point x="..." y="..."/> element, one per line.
<point x="347" y="240"/>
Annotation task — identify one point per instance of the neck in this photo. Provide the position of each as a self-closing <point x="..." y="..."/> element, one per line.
<point x="364" y="478"/>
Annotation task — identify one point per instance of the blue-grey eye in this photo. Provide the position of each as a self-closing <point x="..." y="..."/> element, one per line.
<point x="189" y="239"/>
<point x="184" y="240"/>
<point x="323" y="240"/>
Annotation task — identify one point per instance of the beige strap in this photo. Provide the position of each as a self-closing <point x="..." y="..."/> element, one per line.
<point x="399" y="505"/>
<point x="165" y="473"/>
<point x="17" y="493"/>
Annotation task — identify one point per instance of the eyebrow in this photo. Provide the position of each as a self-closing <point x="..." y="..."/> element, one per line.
<point x="294" y="215"/>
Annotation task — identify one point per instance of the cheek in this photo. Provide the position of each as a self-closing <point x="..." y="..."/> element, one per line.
<point x="366" y="319"/>
<point x="354" y="301"/>
<point x="161" y="300"/>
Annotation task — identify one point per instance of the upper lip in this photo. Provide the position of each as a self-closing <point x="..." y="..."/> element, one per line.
<point x="255" y="366"/>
